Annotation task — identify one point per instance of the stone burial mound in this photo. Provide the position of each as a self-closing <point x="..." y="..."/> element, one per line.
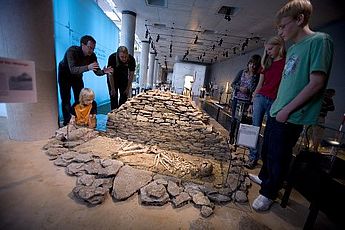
<point x="169" y="121"/>
<point x="139" y="155"/>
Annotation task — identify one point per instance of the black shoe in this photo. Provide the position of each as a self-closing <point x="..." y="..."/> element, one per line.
<point x="250" y="164"/>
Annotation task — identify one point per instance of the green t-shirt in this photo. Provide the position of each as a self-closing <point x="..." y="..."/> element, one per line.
<point x="313" y="53"/>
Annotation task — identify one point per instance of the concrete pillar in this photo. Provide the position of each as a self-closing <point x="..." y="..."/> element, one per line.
<point x="128" y="30"/>
<point x="28" y="34"/>
<point x="144" y="59"/>
<point x="155" y="74"/>
<point x="151" y="70"/>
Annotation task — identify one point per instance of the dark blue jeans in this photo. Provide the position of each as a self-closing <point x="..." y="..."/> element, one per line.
<point x="276" y="154"/>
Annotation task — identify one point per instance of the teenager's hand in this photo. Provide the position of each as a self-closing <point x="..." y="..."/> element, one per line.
<point x="250" y="109"/>
<point x="108" y="70"/>
<point x="282" y="116"/>
<point x="93" y="66"/>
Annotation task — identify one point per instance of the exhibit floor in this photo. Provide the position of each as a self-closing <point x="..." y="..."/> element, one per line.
<point x="36" y="194"/>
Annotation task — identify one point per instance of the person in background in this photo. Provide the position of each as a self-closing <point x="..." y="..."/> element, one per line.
<point x="273" y="61"/>
<point x="84" y="112"/>
<point x="298" y="102"/>
<point x="76" y="61"/>
<point x="318" y="130"/>
<point x="243" y="86"/>
<point x="120" y="80"/>
<point x="245" y="83"/>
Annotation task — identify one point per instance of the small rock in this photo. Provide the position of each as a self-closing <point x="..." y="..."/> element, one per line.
<point x="180" y="200"/>
<point x="240" y="197"/>
<point x="206" y="211"/>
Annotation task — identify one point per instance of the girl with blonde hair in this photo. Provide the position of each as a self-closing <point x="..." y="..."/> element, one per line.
<point x="272" y="62"/>
<point x="84" y="112"/>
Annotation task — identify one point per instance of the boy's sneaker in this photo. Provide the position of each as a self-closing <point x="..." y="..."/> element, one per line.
<point x="250" y="164"/>
<point x="254" y="178"/>
<point x="262" y="203"/>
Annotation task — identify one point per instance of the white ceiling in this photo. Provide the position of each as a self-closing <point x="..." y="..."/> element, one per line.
<point x="180" y="21"/>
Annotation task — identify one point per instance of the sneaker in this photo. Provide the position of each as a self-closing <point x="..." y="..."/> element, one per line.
<point x="254" y="178"/>
<point x="250" y="164"/>
<point x="262" y="203"/>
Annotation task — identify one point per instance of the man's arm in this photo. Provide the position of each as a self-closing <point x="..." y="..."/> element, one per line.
<point x="130" y="80"/>
<point x="316" y="83"/>
<point x="72" y="59"/>
<point x="111" y="64"/>
<point x="258" y="87"/>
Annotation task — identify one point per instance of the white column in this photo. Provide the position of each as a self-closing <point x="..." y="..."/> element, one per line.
<point x="28" y="34"/>
<point x="144" y="59"/>
<point x="155" y="74"/>
<point x="151" y="70"/>
<point x="128" y="30"/>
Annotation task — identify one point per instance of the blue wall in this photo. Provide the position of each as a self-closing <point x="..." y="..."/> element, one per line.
<point x="72" y="20"/>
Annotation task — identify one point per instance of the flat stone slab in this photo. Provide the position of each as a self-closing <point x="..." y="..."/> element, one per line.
<point x="174" y="189"/>
<point x="128" y="181"/>
<point x="90" y="194"/>
<point x="218" y="198"/>
<point x="180" y="200"/>
<point x="240" y="197"/>
<point x="200" y="200"/>
<point x="109" y="168"/>
<point x="154" y="194"/>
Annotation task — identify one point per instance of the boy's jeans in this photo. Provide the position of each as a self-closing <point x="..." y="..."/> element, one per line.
<point x="276" y="155"/>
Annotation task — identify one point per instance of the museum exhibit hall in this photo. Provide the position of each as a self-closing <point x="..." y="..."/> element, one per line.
<point x="172" y="114"/>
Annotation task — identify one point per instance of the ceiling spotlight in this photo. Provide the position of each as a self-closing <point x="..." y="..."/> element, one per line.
<point x="196" y="39"/>
<point x="157" y="39"/>
<point x="227" y="17"/>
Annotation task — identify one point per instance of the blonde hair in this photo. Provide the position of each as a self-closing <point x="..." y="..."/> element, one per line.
<point x="295" y="8"/>
<point x="120" y="49"/>
<point x="266" y="60"/>
<point x="86" y="93"/>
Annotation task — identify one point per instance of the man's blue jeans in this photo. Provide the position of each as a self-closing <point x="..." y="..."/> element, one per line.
<point x="261" y="105"/>
<point x="276" y="154"/>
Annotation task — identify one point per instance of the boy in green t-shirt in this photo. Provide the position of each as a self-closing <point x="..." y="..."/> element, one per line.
<point x="298" y="103"/>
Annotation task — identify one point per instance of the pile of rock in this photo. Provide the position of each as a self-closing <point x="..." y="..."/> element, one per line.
<point x="98" y="177"/>
<point x="170" y="121"/>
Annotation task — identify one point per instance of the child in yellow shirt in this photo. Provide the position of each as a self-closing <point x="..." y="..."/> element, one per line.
<point x="84" y="112"/>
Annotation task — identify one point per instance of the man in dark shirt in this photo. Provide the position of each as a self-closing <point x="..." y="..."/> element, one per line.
<point x="121" y="79"/>
<point x="76" y="61"/>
